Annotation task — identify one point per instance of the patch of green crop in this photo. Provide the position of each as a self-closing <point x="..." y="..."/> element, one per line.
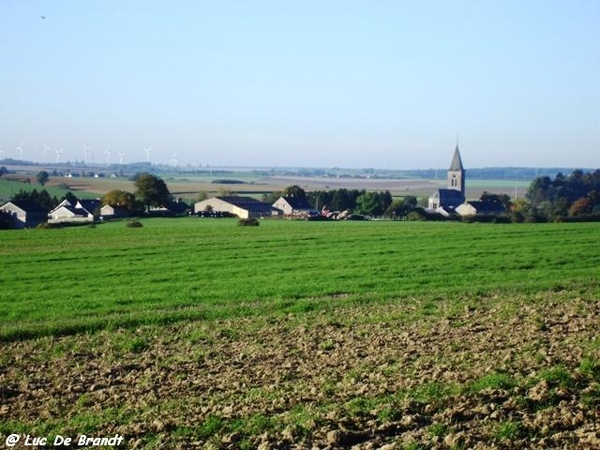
<point x="438" y="429"/>
<point x="590" y="367"/>
<point x="557" y="376"/>
<point x="211" y="426"/>
<point x="509" y="430"/>
<point x="78" y="280"/>
<point x="493" y="381"/>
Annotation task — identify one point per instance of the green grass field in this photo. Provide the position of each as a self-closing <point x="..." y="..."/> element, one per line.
<point x="198" y="333"/>
<point x="63" y="281"/>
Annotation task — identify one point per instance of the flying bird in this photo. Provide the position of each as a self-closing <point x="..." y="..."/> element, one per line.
<point x="43" y="17"/>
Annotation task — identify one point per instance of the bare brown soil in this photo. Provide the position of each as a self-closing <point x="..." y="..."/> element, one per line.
<point x="499" y="373"/>
<point x="398" y="187"/>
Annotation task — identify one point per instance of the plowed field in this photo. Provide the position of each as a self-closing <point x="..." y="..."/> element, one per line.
<point x="449" y="364"/>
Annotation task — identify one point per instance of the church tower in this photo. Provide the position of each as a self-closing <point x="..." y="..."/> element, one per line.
<point x="456" y="173"/>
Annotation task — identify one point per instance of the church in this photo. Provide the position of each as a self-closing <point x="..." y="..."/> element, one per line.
<point x="447" y="200"/>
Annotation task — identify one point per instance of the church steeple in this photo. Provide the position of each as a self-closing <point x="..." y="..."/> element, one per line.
<point x="456" y="173"/>
<point x="456" y="160"/>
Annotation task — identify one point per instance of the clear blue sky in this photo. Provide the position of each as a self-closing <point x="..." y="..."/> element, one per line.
<point x="303" y="83"/>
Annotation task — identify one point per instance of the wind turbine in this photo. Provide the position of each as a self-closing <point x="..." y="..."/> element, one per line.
<point x="2" y="152"/>
<point x="86" y="151"/>
<point x="173" y="160"/>
<point x="46" y="148"/>
<point x="20" y="148"/>
<point x="58" y="152"/>
<point x="121" y="156"/>
<point x="147" y="150"/>
<point x="107" y="152"/>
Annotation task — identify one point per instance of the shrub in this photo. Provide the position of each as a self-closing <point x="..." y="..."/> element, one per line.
<point x="249" y="222"/>
<point x="134" y="224"/>
<point x="46" y="225"/>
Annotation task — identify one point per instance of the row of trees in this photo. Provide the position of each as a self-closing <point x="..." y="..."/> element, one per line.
<point x="373" y="204"/>
<point x="573" y="196"/>
<point x="42" y="198"/>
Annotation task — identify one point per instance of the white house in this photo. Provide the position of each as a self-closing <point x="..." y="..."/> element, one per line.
<point x="480" y="207"/>
<point x="66" y="212"/>
<point x="295" y="207"/>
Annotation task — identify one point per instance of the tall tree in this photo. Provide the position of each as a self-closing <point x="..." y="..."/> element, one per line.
<point x="151" y="190"/>
<point x="117" y="197"/>
<point x="42" y="177"/>
<point x="295" y="191"/>
<point x="70" y="197"/>
<point x="501" y="199"/>
<point x="369" y="204"/>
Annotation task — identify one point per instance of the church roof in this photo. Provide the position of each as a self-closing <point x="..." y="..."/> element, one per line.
<point x="456" y="160"/>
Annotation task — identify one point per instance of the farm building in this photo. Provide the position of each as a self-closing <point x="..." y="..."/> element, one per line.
<point x="243" y="207"/>
<point x="176" y="208"/>
<point x="66" y="212"/>
<point x="114" y="212"/>
<point x="447" y="200"/>
<point x="24" y="214"/>
<point x="295" y="207"/>
<point x="479" y="207"/>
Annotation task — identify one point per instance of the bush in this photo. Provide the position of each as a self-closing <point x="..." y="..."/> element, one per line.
<point x="250" y="222"/>
<point x="134" y="224"/>
<point x="46" y="225"/>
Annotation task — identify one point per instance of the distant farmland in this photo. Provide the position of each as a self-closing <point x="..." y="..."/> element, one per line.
<point x="197" y="333"/>
<point x="189" y="186"/>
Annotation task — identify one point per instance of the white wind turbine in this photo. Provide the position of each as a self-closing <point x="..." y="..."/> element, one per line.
<point x="58" y="152"/>
<point x="173" y="160"/>
<point x="86" y="151"/>
<point x="20" y="149"/>
<point x="46" y="149"/>
<point x="121" y="157"/>
<point x="2" y="152"/>
<point x="107" y="152"/>
<point x="147" y="150"/>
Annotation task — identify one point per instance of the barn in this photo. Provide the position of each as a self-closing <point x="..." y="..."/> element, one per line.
<point x="243" y="207"/>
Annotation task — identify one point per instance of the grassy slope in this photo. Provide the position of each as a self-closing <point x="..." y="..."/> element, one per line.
<point x="69" y="280"/>
<point x="10" y="188"/>
<point x="416" y="335"/>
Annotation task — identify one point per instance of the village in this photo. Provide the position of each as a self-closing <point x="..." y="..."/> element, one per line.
<point x="443" y="203"/>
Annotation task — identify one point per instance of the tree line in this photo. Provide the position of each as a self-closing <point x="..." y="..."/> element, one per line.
<point x="357" y="201"/>
<point x="573" y="197"/>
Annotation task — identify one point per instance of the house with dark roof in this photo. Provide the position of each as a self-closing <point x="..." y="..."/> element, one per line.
<point x="66" y="212"/>
<point x="295" y="207"/>
<point x="91" y="205"/>
<point x="447" y="200"/>
<point x="24" y="214"/>
<point x="243" y="207"/>
<point x="480" y="208"/>
<point x="114" y="212"/>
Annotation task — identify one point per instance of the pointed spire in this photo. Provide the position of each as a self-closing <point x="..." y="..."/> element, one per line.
<point x="456" y="160"/>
